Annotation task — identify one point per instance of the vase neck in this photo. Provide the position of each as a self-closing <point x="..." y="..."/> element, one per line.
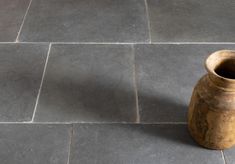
<point x="221" y="83"/>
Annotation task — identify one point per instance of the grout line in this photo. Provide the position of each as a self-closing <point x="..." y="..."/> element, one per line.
<point x="135" y="86"/>
<point x="165" y="123"/>
<point x="141" y="123"/>
<point x="24" y="42"/>
<point x="40" y="88"/>
<point x="141" y="43"/>
<point x="100" y="43"/>
<point x="148" y="20"/>
<point x="70" y="143"/>
<point x="178" y="43"/>
<point x="21" y="26"/>
<point x="121" y="43"/>
<point x="223" y="157"/>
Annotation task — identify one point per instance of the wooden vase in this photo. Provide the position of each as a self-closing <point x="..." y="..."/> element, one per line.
<point x="211" y="117"/>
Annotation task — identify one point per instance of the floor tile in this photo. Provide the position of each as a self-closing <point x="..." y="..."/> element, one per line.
<point x="88" y="83"/>
<point x="192" y="21"/>
<point x="37" y="144"/>
<point x="166" y="75"/>
<point x="138" y="144"/>
<point x="21" y="68"/>
<point x="230" y="155"/>
<point x="11" y="17"/>
<point x="86" y="21"/>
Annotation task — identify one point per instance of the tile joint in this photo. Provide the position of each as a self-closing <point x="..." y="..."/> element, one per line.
<point x="148" y="20"/>
<point x="135" y="86"/>
<point x="223" y="157"/>
<point x="120" y="43"/>
<point x="134" y="123"/>
<point x="42" y="79"/>
<point x="21" y="26"/>
<point x="70" y="144"/>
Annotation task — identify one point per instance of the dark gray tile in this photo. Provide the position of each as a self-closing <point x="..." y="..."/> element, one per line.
<point x="11" y="17"/>
<point x="88" y="83"/>
<point x="34" y="144"/>
<point x="230" y="155"/>
<point x="196" y="20"/>
<point x="21" y="68"/>
<point x="166" y="75"/>
<point x="86" y="20"/>
<point x="138" y="144"/>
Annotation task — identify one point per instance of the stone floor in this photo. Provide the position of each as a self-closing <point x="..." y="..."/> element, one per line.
<point x="106" y="81"/>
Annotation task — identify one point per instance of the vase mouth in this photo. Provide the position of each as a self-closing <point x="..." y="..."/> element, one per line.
<point x="221" y="65"/>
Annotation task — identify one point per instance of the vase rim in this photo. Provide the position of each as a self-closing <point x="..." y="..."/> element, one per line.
<point x="216" y="59"/>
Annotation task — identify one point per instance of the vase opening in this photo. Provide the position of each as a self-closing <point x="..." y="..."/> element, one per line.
<point x="226" y="69"/>
<point x="221" y="66"/>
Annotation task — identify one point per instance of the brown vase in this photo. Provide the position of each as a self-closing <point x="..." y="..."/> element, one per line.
<point x="211" y="117"/>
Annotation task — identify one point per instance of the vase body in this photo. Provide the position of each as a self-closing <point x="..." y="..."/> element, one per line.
<point x="211" y="116"/>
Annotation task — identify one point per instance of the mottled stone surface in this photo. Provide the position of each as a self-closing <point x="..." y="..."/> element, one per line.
<point x="86" y="21"/>
<point x="230" y="156"/>
<point x="118" y="143"/>
<point x="11" y="17"/>
<point x="192" y="21"/>
<point x="37" y="144"/>
<point x="88" y="83"/>
<point x="21" y="68"/>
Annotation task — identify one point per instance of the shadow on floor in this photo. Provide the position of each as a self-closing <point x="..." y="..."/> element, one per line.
<point x="98" y="100"/>
<point x="94" y="100"/>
